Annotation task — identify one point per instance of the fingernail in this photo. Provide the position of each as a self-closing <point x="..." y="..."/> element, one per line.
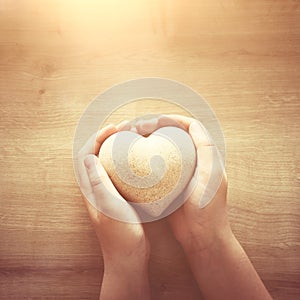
<point x="90" y="161"/>
<point x="108" y="126"/>
<point x="124" y="126"/>
<point x="122" y="123"/>
<point x="195" y="126"/>
<point x="148" y="125"/>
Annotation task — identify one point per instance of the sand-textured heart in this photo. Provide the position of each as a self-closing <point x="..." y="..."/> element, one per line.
<point x="151" y="170"/>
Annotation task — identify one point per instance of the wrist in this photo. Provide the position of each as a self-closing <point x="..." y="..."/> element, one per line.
<point x="130" y="278"/>
<point x="202" y="246"/>
<point x="224" y="270"/>
<point x="135" y="260"/>
<point x="126" y="265"/>
<point x="134" y="252"/>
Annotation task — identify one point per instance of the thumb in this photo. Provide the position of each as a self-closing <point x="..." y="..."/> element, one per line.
<point x="210" y="169"/>
<point x="107" y="198"/>
<point x="95" y="173"/>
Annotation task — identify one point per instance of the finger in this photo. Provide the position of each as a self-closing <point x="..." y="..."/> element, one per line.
<point x="209" y="159"/>
<point x="184" y="121"/>
<point x="146" y="127"/>
<point x="168" y="120"/>
<point x="102" y="135"/>
<point x="124" y="125"/>
<point x="98" y="178"/>
<point x="92" y="146"/>
<point x="210" y="176"/>
<point x="107" y="198"/>
<point x="84" y="181"/>
<point x="209" y="170"/>
<point x="199" y="135"/>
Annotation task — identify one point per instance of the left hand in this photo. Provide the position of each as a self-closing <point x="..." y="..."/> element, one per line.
<point x="123" y="245"/>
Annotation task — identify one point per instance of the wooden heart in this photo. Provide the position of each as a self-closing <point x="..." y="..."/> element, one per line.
<point x="151" y="171"/>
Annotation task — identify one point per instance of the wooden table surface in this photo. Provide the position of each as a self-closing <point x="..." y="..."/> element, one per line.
<point x="56" y="56"/>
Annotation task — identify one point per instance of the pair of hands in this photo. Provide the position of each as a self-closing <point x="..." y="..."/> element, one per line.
<point x="124" y="245"/>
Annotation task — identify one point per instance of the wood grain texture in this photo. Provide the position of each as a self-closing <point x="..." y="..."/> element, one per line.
<point x="56" y="56"/>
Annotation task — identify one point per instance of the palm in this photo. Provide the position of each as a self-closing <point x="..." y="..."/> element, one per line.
<point x="205" y="208"/>
<point x="190" y="221"/>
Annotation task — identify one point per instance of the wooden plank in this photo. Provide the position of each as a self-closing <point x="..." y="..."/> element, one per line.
<point x="56" y="56"/>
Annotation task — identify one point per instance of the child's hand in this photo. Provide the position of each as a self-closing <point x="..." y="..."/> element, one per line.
<point x="196" y="227"/>
<point x="219" y="263"/>
<point x="193" y="226"/>
<point x="124" y="245"/>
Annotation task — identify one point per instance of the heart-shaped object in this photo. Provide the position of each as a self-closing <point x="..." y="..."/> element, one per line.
<point x="151" y="171"/>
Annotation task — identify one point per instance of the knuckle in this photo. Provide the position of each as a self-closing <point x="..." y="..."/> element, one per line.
<point x="95" y="179"/>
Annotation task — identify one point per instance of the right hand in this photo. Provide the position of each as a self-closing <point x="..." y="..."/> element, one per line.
<point x="216" y="258"/>
<point x="198" y="228"/>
